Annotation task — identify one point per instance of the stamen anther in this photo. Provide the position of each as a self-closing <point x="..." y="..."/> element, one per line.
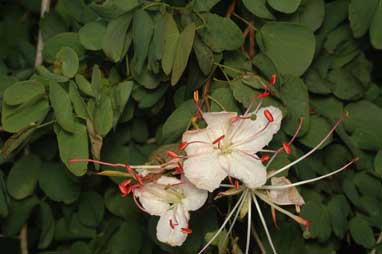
<point x="218" y="139"/>
<point x="264" y="158"/>
<point x="196" y="96"/>
<point x="268" y="115"/>
<point x="263" y="95"/>
<point x="182" y="146"/>
<point x="272" y="81"/>
<point x="124" y="187"/>
<point x="287" y="148"/>
<point x="172" y="154"/>
<point x="186" y="230"/>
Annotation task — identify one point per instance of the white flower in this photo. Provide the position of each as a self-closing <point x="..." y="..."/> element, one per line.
<point x="228" y="147"/>
<point x="171" y="199"/>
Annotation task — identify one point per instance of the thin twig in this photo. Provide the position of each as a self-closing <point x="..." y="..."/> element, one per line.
<point x="45" y="5"/>
<point x="231" y="8"/>
<point x="24" y="239"/>
<point x="379" y="240"/>
<point x="257" y="238"/>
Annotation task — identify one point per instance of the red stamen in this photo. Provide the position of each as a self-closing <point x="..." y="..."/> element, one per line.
<point x="218" y="139"/>
<point x="124" y="187"/>
<point x="138" y="204"/>
<point x="196" y="96"/>
<point x="268" y="115"/>
<point x="172" y="226"/>
<point x="264" y="158"/>
<point x="172" y="154"/>
<point x="186" y="230"/>
<point x="274" y="217"/>
<point x="237" y="185"/>
<point x="301" y="121"/>
<point x="287" y="148"/>
<point x="179" y="168"/>
<point x="97" y="162"/>
<point x="272" y="81"/>
<point x="182" y="146"/>
<point x="307" y="223"/>
<point x="263" y="95"/>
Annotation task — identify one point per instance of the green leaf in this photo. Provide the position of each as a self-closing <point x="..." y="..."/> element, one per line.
<point x="55" y="43"/>
<point x="204" y="56"/>
<point x="375" y="31"/>
<point x="16" y="118"/>
<point x="80" y="248"/>
<point x="319" y="128"/>
<point x="127" y="239"/>
<point x="225" y="98"/>
<point x="47" y="74"/>
<point x="91" y="209"/>
<point x="290" y="46"/>
<point x="148" y="98"/>
<point x="22" y="178"/>
<point x="361" y="15"/>
<point x="319" y="217"/>
<point x="259" y="8"/>
<point x="62" y="106"/>
<point x="78" y="102"/>
<point x="143" y="29"/>
<point x="311" y="14"/>
<point x="171" y="36"/>
<point x="3" y="197"/>
<point x="103" y="119"/>
<point x="178" y="121"/>
<point x="84" y="85"/>
<point x="220" y="33"/>
<point x="378" y="163"/>
<point x="339" y="209"/>
<point x="114" y="42"/>
<point x="57" y="184"/>
<point x="72" y="229"/>
<point x="22" y="92"/>
<point x="287" y="6"/>
<point x="91" y="35"/>
<point x="47" y="226"/>
<point x="123" y="207"/>
<point x="122" y="94"/>
<point x="362" y="114"/>
<point x="361" y="232"/>
<point x="346" y="85"/>
<point x="203" y="5"/>
<point x="182" y="53"/>
<point x="69" y="61"/>
<point x="73" y="145"/>
<point x="19" y="212"/>
<point x="296" y="98"/>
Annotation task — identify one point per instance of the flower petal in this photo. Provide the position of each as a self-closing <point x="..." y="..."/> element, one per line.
<point x="150" y="202"/>
<point x="251" y="136"/>
<point x="170" y="224"/>
<point x="194" y="197"/>
<point x="204" y="171"/>
<point x="289" y="196"/>
<point x="245" y="168"/>
<point x="218" y="123"/>
<point x="199" y="140"/>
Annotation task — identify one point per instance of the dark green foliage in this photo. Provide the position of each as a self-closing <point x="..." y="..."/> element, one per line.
<point x="117" y="85"/>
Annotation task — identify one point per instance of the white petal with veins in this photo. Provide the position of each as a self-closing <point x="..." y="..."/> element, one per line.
<point x="218" y="123"/>
<point x="194" y="197"/>
<point x="171" y="232"/>
<point x="246" y="168"/>
<point x="204" y="171"/>
<point x="252" y="136"/>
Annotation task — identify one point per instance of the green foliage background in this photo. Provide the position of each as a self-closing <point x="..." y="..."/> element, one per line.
<point x="117" y="84"/>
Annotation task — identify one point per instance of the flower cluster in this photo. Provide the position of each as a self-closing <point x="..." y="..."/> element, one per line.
<point x="230" y="147"/>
